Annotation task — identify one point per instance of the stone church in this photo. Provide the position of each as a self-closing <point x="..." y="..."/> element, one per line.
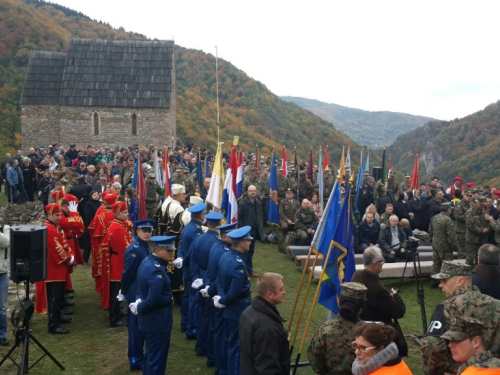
<point x="100" y="93"/>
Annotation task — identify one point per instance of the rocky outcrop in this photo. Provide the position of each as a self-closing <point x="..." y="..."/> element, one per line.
<point x="26" y="213"/>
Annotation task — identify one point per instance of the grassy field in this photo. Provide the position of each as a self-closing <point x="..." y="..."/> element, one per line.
<point x="94" y="348"/>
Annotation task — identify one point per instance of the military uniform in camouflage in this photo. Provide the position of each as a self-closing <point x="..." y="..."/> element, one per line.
<point x="466" y="301"/>
<point x="328" y="183"/>
<point x="443" y="236"/>
<point x="461" y="209"/>
<point x="305" y="188"/>
<point x="263" y="194"/>
<point x="304" y="219"/>
<point x="467" y="328"/>
<point x="152" y="188"/>
<point x="283" y="185"/>
<point x="475" y="236"/>
<point x="394" y="186"/>
<point x="330" y="350"/>
<point x="249" y="181"/>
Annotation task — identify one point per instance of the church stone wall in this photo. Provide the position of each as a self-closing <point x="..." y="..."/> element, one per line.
<point x="44" y="125"/>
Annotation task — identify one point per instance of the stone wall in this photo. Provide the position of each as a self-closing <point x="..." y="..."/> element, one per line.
<point x="44" y="125"/>
<point x="26" y="213"/>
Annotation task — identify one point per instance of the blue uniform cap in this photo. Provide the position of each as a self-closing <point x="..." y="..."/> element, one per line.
<point x="164" y="241"/>
<point x="197" y="208"/>
<point x="214" y="217"/>
<point x="227" y="228"/>
<point x="148" y="223"/>
<point x="240" y="234"/>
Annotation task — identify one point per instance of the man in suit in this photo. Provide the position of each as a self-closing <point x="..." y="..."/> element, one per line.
<point x="287" y="209"/>
<point x="100" y="185"/>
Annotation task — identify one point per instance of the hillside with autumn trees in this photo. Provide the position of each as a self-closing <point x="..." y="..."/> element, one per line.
<point x="247" y="108"/>
<point x="466" y="147"/>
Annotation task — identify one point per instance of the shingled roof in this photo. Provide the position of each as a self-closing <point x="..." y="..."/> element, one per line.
<point x="98" y="72"/>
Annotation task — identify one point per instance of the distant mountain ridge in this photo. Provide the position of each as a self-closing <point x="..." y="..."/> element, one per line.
<point x="468" y="147"/>
<point x="373" y="129"/>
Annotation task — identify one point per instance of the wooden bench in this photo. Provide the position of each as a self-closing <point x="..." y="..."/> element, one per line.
<point x="390" y="270"/>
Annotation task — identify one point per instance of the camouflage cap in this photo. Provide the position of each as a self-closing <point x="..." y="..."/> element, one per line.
<point x="451" y="269"/>
<point x="467" y="192"/>
<point x="445" y="206"/>
<point x="64" y="181"/>
<point x="482" y="200"/>
<point x="253" y="169"/>
<point x="392" y="173"/>
<point x="463" y="328"/>
<point x="353" y="290"/>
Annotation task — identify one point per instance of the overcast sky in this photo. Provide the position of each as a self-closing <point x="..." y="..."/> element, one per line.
<point x="432" y="58"/>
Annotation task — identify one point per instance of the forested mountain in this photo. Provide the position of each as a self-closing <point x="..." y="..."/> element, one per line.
<point x="247" y="108"/>
<point x="373" y="129"/>
<point x="467" y="147"/>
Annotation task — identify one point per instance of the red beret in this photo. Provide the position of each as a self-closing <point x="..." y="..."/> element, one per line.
<point x="53" y="208"/>
<point x="496" y="192"/>
<point x="109" y="199"/>
<point x="56" y="195"/>
<point x="119" y="206"/>
<point x="469" y="184"/>
<point x="71" y="198"/>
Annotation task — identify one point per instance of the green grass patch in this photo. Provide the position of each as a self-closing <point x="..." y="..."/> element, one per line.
<point x="94" y="348"/>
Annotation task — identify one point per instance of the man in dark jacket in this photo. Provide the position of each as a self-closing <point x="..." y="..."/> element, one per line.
<point x="368" y="232"/>
<point x="392" y="241"/>
<point x="486" y="275"/>
<point x="381" y="305"/>
<point x="263" y="340"/>
<point x="249" y="214"/>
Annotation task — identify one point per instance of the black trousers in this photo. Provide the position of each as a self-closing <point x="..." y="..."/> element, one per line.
<point x="115" y="306"/>
<point x="55" y="302"/>
<point x="86" y="246"/>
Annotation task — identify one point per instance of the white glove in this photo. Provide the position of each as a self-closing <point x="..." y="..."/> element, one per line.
<point x="71" y="261"/>
<point x="217" y="304"/>
<point x="73" y="207"/>
<point x="204" y="291"/>
<point x="133" y="306"/>
<point x="197" y="284"/>
<point x="178" y="262"/>
<point x="120" y="297"/>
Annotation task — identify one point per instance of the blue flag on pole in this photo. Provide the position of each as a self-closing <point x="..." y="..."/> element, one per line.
<point x="207" y="168"/>
<point x="341" y="263"/>
<point x="273" y="215"/>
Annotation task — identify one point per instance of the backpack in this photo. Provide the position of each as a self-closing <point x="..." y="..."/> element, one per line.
<point x="290" y="239"/>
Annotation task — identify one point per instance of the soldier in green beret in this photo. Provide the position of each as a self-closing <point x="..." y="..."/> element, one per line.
<point x="330" y="351"/>
<point x="444" y="239"/>
<point x="477" y="229"/>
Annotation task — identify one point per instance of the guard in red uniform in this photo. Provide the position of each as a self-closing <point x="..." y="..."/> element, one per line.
<point x="50" y="292"/>
<point x="97" y="229"/>
<point x="116" y="241"/>
<point x="72" y="225"/>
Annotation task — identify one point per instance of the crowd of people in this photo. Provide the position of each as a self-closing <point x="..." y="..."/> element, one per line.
<point x="183" y="254"/>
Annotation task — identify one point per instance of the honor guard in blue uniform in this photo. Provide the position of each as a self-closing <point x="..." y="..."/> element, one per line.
<point x="233" y="290"/>
<point x="216" y="334"/>
<point x="135" y="253"/>
<point x="154" y="304"/>
<point x="200" y="252"/>
<point x="189" y="233"/>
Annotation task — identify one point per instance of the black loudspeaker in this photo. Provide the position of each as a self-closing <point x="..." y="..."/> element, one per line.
<point x="377" y="173"/>
<point x="28" y="253"/>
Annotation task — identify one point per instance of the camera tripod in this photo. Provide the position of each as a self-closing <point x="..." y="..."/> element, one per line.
<point x="414" y="257"/>
<point x="23" y="337"/>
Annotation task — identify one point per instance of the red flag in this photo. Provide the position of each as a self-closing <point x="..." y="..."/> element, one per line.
<point x="257" y="160"/>
<point x="310" y="166"/>
<point x="325" y="160"/>
<point x="141" y="190"/>
<point x="166" y="174"/>
<point x="415" y="178"/>
<point x="284" y="164"/>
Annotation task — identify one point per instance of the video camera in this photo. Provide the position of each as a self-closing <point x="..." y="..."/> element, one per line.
<point x="412" y="243"/>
